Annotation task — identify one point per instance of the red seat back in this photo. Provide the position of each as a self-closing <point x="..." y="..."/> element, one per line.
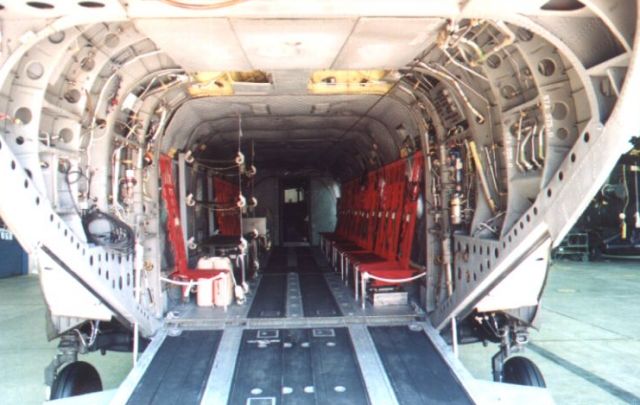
<point x="389" y="210"/>
<point x="378" y="211"/>
<point x="227" y="211"/>
<point x="415" y="169"/>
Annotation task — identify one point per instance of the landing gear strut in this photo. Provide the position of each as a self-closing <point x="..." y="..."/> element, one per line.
<point x="76" y="377"/>
<point x="515" y="369"/>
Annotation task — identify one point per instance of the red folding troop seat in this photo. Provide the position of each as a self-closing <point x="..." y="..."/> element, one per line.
<point x="376" y="225"/>
<point x="228" y="220"/>
<point x="362" y="222"/>
<point x="227" y="210"/>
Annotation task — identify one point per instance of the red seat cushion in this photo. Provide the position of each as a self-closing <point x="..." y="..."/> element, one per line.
<point x="359" y="258"/>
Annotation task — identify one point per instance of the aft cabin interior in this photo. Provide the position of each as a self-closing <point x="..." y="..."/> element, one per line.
<point x="248" y="235"/>
<point x="309" y="234"/>
<point x="302" y="222"/>
<point x="288" y="201"/>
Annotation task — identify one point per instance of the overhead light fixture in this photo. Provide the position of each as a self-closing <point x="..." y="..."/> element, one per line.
<point x="209" y="84"/>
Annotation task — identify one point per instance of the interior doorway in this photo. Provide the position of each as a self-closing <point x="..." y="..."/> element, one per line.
<point x="294" y="198"/>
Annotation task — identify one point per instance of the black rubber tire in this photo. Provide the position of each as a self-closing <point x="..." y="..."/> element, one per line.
<point x="522" y="371"/>
<point x="76" y="378"/>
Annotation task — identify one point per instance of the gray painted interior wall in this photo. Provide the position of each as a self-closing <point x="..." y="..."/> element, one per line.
<point x="323" y="207"/>
<point x="266" y="191"/>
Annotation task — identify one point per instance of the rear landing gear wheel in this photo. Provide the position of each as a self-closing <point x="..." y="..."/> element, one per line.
<point x="76" y="378"/>
<point x="522" y="371"/>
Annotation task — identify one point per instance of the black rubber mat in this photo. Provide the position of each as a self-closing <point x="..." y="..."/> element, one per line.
<point x="178" y="372"/>
<point x="297" y="366"/>
<point x="417" y="372"/>
<point x="273" y="269"/>
<point x="303" y="251"/>
<point x="278" y="257"/>
<point x="303" y="261"/>
<point x="307" y="263"/>
<point x="271" y="298"/>
<point x="317" y="299"/>
<point x="321" y="259"/>
<point x="307" y="260"/>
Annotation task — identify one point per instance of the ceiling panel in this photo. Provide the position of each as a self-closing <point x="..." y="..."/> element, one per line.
<point x="292" y="43"/>
<point x="197" y="44"/>
<point x="387" y="42"/>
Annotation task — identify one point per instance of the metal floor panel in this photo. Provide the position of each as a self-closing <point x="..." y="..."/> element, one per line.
<point x="297" y="347"/>
<point x="373" y="372"/>
<point x="270" y="298"/>
<point x="317" y="299"/>
<point x="276" y="269"/>
<point x="307" y="263"/>
<point x="221" y="374"/>
<point x="177" y="373"/>
<point x="304" y="251"/>
<point x="278" y="257"/>
<point x="297" y="366"/>
<point x="324" y="360"/>
<point x="417" y="371"/>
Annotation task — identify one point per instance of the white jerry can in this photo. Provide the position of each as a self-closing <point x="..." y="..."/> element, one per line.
<point x="218" y="292"/>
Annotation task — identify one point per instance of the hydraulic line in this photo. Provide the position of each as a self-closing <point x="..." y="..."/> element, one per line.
<point x="483" y="178"/>
<point x="463" y="67"/>
<point x="522" y="151"/>
<point x="518" y="142"/>
<point x="534" y="160"/>
<point x="510" y="39"/>
<point x="445" y="221"/>
<point x="424" y="68"/>
<point x="492" y="168"/>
